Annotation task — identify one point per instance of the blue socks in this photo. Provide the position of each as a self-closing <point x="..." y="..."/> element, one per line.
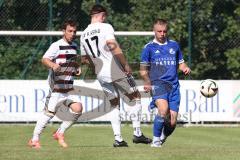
<point x="158" y="126"/>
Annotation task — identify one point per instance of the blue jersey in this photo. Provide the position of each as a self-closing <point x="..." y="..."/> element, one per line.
<point x="163" y="60"/>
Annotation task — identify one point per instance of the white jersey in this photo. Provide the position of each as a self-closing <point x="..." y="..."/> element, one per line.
<point x="93" y="44"/>
<point x="62" y="53"/>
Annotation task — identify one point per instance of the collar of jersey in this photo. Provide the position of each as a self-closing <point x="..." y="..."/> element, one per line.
<point x="66" y="42"/>
<point x="155" y="41"/>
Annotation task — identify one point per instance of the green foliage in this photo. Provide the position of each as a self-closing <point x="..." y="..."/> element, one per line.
<point x="233" y="65"/>
<point x="214" y="31"/>
<point x="15" y="55"/>
<point x="132" y="47"/>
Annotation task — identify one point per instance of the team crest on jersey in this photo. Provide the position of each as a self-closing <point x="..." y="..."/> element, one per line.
<point x="172" y="51"/>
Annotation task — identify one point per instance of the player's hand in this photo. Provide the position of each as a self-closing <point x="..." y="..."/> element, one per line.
<point x="187" y="71"/>
<point x="78" y="71"/>
<point x="56" y="67"/>
<point x="147" y="86"/>
<point x="127" y="69"/>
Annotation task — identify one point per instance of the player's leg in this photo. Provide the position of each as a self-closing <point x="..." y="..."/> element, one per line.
<point x="170" y="124"/>
<point x="128" y="87"/>
<point x="158" y="124"/>
<point x="75" y="108"/>
<point x="48" y="113"/>
<point x="39" y="127"/>
<point x="114" y="116"/>
<point x="73" y="101"/>
<point x="135" y="112"/>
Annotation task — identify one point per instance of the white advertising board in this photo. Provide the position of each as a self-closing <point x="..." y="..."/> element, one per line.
<point x="23" y="101"/>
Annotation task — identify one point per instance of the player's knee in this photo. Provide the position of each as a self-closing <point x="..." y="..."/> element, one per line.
<point x="76" y="107"/>
<point x="49" y="113"/>
<point x="115" y="101"/>
<point x="162" y="112"/>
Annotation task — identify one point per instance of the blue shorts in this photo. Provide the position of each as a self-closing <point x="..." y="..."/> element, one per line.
<point x="173" y="98"/>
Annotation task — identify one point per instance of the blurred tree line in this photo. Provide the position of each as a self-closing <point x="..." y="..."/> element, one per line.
<point x="215" y="32"/>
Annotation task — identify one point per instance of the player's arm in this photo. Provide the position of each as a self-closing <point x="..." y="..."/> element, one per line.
<point x="181" y="64"/>
<point x="184" y="68"/>
<point x="144" y="69"/>
<point x="117" y="52"/>
<point x="49" y="64"/>
<point x="85" y="59"/>
<point x="78" y="71"/>
<point x="144" y="73"/>
<point x="49" y="55"/>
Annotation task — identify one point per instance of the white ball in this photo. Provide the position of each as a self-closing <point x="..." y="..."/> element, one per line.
<point x="208" y="88"/>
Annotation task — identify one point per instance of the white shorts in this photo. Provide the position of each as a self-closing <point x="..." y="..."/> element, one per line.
<point x="125" y="85"/>
<point x="55" y="98"/>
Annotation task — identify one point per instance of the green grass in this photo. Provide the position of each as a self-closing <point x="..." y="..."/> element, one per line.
<point x="95" y="143"/>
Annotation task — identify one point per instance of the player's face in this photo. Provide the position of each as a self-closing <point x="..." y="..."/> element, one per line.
<point x="69" y="33"/>
<point x="103" y="17"/>
<point x="160" y="32"/>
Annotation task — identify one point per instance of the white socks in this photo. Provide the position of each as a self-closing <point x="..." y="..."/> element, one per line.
<point x="137" y="131"/>
<point x="67" y="124"/>
<point x="116" y="123"/>
<point x="118" y="138"/>
<point x="41" y="124"/>
<point x="135" y="116"/>
<point x="134" y="112"/>
<point x="156" y="139"/>
<point x="43" y="121"/>
<point x="64" y="126"/>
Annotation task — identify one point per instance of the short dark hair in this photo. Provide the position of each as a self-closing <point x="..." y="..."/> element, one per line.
<point x="160" y="21"/>
<point x="70" y="23"/>
<point x="97" y="8"/>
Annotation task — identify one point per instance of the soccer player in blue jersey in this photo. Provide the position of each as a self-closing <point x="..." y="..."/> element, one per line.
<point x="160" y="61"/>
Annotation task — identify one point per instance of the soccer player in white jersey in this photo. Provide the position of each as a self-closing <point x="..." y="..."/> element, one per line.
<point x="60" y="59"/>
<point x="99" y="47"/>
<point x="160" y="61"/>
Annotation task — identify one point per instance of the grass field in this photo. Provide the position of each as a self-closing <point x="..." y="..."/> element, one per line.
<point x="95" y="143"/>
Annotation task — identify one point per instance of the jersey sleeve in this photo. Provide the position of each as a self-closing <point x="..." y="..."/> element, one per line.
<point x="82" y="49"/>
<point x="52" y="51"/>
<point x="145" y="56"/>
<point x="180" y="55"/>
<point x="109" y="32"/>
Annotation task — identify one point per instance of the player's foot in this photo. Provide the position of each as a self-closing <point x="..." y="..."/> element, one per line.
<point x="120" y="144"/>
<point x="162" y="141"/>
<point x="60" y="138"/>
<point x="156" y="144"/>
<point x="141" y="139"/>
<point x="34" y="144"/>
<point x="163" y="137"/>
